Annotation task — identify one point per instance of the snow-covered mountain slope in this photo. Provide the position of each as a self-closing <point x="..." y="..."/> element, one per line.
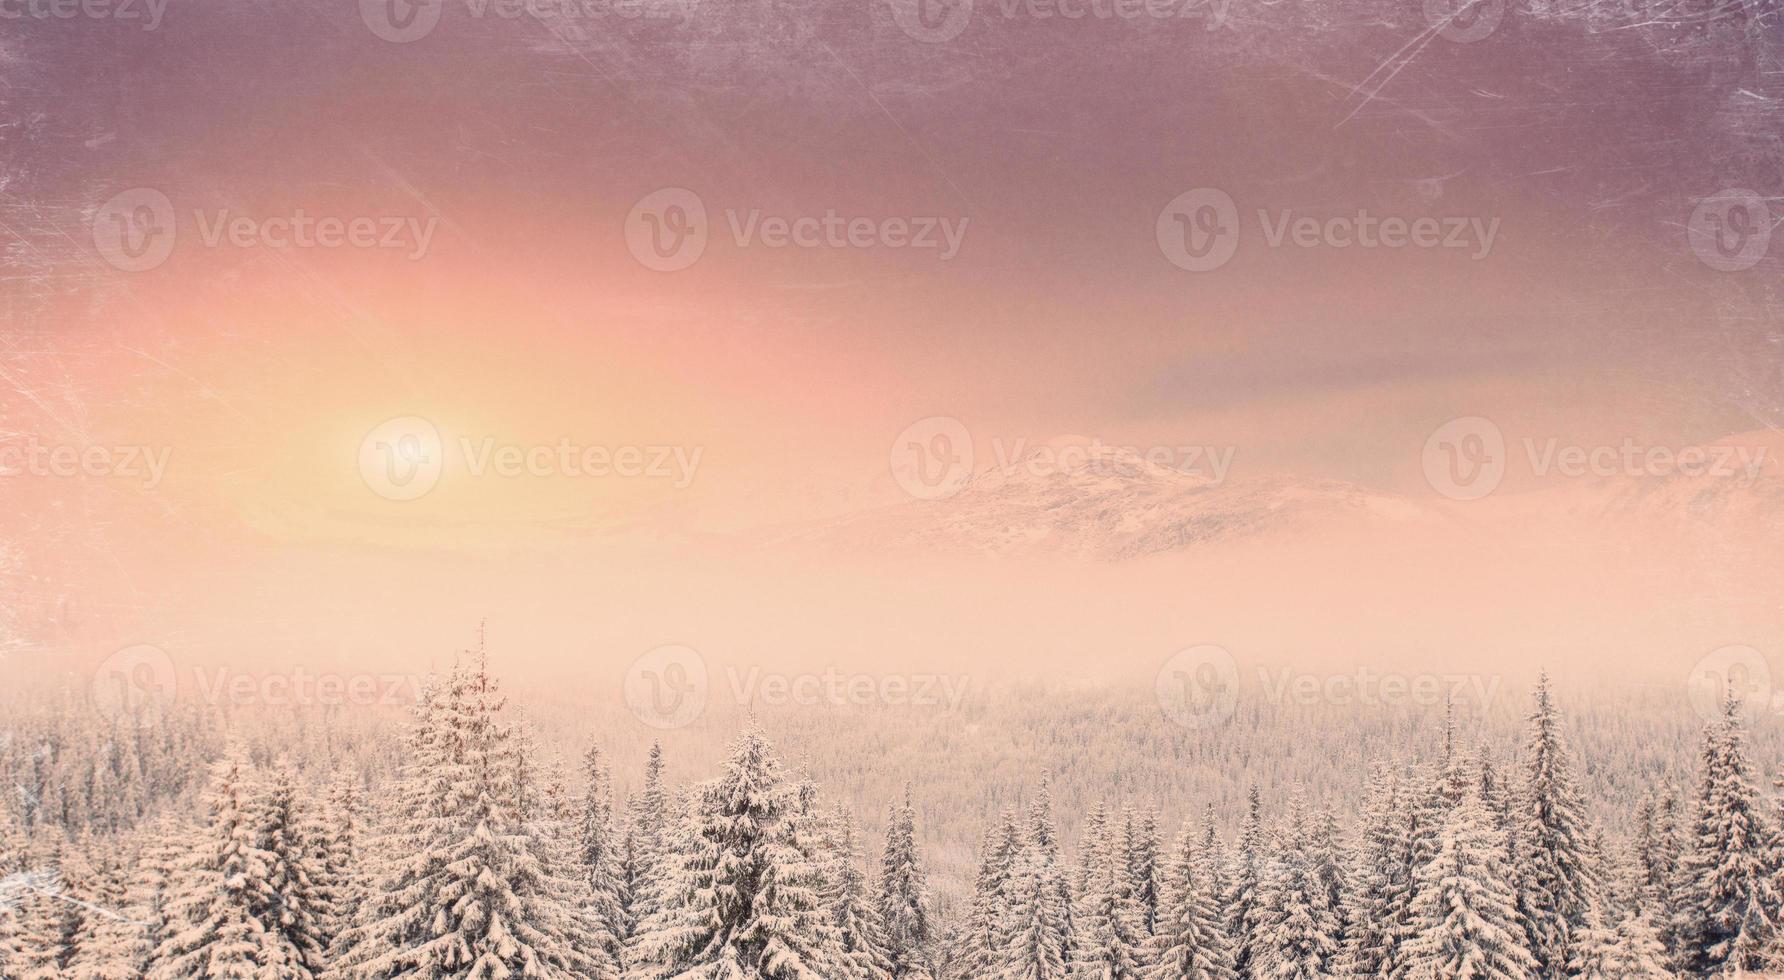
<point x="1103" y="503"/>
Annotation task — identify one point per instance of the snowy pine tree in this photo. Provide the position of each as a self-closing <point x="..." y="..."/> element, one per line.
<point x="598" y="856"/>
<point x="339" y="874"/>
<point x="1245" y="899"/>
<point x="1042" y="844"/>
<point x="983" y="939"/>
<point x="469" y="895"/>
<point x="1728" y="892"/>
<point x="295" y="943"/>
<point x="1109" y="944"/>
<point x="110" y="943"/>
<point x="1036" y="949"/>
<point x="860" y="935"/>
<point x="1142" y="867"/>
<point x="213" y="930"/>
<point x="1464" y="923"/>
<point x="744" y="903"/>
<point x="1628" y="951"/>
<point x="904" y="896"/>
<point x="1556" y="883"/>
<point x="1191" y="941"/>
<point x="1297" y="933"/>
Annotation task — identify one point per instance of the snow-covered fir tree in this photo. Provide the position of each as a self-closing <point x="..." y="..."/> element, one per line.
<point x="1464" y="923"/>
<point x="1245" y="905"/>
<point x="599" y="856"/>
<point x="1297" y="935"/>
<point x="1036" y="945"/>
<point x="650" y="855"/>
<point x="904" y="897"/>
<point x="860" y="934"/>
<point x="469" y="895"/>
<point x="744" y="903"/>
<point x="1629" y="950"/>
<point x="1109" y="943"/>
<point x="1142" y="865"/>
<point x="337" y="840"/>
<point x="293" y="906"/>
<point x="982" y="941"/>
<point x="213" y="930"/>
<point x="1042" y="845"/>
<point x="1556" y="879"/>
<point x="1728" y="891"/>
<point x="110" y="943"/>
<point x="1191" y="941"/>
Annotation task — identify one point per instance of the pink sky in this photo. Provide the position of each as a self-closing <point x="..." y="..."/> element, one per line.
<point x="527" y="320"/>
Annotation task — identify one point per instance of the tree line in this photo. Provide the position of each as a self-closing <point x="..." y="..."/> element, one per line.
<point x="484" y="860"/>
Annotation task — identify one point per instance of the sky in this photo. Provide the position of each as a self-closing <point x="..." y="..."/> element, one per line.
<point x="518" y="175"/>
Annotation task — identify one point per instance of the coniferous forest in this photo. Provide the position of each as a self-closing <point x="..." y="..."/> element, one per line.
<point x="480" y="857"/>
